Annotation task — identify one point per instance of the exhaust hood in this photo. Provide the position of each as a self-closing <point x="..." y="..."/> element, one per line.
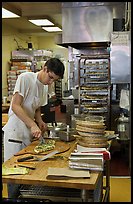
<point x="88" y="22"/>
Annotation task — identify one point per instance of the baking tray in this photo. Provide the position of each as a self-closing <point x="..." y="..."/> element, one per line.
<point x="50" y="193"/>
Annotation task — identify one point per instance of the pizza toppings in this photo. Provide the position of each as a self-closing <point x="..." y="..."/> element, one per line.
<point x="49" y="145"/>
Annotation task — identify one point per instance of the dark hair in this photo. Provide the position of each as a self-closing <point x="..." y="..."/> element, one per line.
<point x="56" y="66"/>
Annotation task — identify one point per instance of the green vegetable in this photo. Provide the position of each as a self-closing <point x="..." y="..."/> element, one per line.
<point x="45" y="147"/>
<point x="14" y="170"/>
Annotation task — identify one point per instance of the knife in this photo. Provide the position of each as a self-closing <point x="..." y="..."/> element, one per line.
<point x="49" y="155"/>
<point x="42" y="140"/>
<point x="39" y="159"/>
<point x="25" y="158"/>
<point x="30" y="167"/>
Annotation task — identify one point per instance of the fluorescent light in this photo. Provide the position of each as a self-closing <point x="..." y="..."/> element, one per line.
<point x="8" y="14"/>
<point x="52" y="29"/>
<point x="41" y="22"/>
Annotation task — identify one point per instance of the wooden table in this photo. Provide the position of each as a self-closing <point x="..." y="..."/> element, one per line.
<point x="38" y="176"/>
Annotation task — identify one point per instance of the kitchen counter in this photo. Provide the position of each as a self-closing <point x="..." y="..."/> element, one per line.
<point x="39" y="175"/>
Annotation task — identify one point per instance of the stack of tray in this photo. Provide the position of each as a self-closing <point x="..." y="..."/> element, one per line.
<point x="50" y="193"/>
<point x="91" y="132"/>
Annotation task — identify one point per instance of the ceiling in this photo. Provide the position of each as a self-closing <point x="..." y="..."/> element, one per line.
<point x="52" y="10"/>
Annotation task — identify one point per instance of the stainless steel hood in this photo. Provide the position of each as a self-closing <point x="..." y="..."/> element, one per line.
<point x="85" y="22"/>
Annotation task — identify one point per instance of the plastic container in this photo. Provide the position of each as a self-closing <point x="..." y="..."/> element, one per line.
<point x="67" y="136"/>
<point x="4" y="100"/>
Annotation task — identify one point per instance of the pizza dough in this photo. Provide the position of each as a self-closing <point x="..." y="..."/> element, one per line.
<point x="92" y="133"/>
<point x="87" y="129"/>
<point x="85" y="144"/>
<point x="89" y="134"/>
<point x="49" y="145"/>
<point x="85" y="123"/>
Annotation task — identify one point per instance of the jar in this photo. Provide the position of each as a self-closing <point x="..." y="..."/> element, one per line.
<point x="123" y="127"/>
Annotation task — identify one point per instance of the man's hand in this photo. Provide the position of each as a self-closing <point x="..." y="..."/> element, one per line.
<point x="43" y="126"/>
<point x="36" y="131"/>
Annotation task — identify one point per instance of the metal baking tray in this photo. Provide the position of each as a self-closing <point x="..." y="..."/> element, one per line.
<point x="50" y="193"/>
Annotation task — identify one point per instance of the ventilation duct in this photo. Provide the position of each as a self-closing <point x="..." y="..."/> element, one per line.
<point x="85" y="22"/>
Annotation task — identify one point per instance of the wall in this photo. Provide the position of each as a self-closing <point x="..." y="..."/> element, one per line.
<point x="21" y="40"/>
<point x="58" y="51"/>
<point x="8" y="45"/>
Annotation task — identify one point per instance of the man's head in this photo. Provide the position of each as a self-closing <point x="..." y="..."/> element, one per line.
<point x="56" y="66"/>
<point x="52" y="70"/>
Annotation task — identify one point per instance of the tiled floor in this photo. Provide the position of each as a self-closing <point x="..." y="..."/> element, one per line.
<point x="120" y="189"/>
<point x="119" y="166"/>
<point x="117" y="186"/>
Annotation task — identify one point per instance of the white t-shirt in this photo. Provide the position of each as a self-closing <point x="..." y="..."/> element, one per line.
<point x="35" y="94"/>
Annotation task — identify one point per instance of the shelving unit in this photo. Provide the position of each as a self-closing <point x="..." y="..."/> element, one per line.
<point x="28" y="60"/>
<point x="94" y="85"/>
<point x="12" y="76"/>
<point x="19" y="63"/>
<point x="58" y="88"/>
<point x="24" y="60"/>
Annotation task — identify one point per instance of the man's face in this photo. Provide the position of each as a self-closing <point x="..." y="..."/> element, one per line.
<point x="48" y="76"/>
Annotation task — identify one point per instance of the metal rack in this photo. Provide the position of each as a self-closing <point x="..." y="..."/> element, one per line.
<point x="53" y="194"/>
<point x="94" y="85"/>
<point x="58" y="88"/>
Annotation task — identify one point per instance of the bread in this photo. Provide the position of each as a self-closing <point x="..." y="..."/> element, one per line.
<point x="89" y="129"/>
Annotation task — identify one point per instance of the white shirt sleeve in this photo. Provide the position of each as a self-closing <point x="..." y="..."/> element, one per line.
<point x="21" y="85"/>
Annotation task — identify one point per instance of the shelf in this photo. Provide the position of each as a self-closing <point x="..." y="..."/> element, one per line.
<point x="94" y="83"/>
<point x="58" y="88"/>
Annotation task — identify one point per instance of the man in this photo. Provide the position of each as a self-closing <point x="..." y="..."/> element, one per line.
<point x="30" y="93"/>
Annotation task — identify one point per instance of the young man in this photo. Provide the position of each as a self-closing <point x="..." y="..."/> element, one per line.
<point x="30" y="93"/>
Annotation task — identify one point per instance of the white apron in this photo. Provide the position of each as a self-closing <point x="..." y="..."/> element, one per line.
<point x="18" y="131"/>
<point x="34" y="95"/>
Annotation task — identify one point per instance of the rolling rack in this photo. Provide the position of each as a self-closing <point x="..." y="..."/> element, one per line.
<point x="94" y="95"/>
<point x="94" y="85"/>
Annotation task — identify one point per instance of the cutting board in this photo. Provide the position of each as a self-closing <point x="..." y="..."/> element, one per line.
<point x="59" y="145"/>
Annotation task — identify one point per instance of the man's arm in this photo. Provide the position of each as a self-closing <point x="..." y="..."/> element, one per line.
<point x="42" y="125"/>
<point x="19" y="111"/>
